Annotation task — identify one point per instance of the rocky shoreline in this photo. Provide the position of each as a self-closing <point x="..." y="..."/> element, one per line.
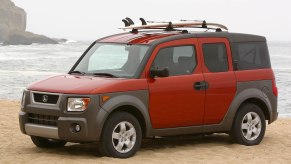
<point x="13" y="27"/>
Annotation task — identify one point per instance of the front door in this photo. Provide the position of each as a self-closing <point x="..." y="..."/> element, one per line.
<point x="174" y="101"/>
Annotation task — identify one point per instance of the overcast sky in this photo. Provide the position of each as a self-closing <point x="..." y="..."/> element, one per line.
<point x="88" y="20"/>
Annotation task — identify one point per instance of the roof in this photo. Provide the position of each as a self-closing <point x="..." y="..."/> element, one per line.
<point x="137" y="38"/>
<point x="155" y="37"/>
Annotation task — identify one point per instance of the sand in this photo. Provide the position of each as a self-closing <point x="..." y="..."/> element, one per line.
<point x="275" y="147"/>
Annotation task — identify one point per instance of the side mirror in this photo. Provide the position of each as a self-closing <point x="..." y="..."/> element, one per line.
<point x="159" y="72"/>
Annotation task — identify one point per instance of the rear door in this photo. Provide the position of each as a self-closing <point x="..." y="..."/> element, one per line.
<point x="218" y="73"/>
<point x="174" y="101"/>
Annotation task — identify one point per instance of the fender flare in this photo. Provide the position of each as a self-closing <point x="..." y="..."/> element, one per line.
<point x="124" y="100"/>
<point x="239" y="99"/>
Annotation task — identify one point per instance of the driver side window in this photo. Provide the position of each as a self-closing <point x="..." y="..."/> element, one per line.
<point x="180" y="60"/>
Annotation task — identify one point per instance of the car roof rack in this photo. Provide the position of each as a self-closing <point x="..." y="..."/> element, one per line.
<point x="170" y="26"/>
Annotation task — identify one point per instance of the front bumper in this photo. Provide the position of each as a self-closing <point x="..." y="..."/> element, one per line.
<point x="90" y="121"/>
<point x="41" y="130"/>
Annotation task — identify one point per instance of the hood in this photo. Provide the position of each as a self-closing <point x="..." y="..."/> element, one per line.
<point x="75" y="84"/>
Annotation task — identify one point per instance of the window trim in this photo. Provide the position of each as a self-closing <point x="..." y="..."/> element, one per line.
<point x="235" y="55"/>
<point x="226" y="53"/>
<point x="181" y="45"/>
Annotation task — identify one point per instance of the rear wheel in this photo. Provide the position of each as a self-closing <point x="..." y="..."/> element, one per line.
<point x="249" y="125"/>
<point x="121" y="137"/>
<point x="47" y="143"/>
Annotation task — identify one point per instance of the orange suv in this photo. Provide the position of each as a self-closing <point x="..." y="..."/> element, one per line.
<point x="159" y="79"/>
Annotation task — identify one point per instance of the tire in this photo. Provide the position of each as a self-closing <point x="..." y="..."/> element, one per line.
<point x="121" y="136"/>
<point x="47" y="143"/>
<point x="249" y="125"/>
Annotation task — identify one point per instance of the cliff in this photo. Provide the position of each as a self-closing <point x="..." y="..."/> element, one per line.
<point x="13" y="27"/>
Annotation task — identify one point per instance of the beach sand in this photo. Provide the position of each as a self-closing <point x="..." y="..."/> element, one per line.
<point x="275" y="147"/>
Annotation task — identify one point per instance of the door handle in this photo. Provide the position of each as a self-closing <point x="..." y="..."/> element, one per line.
<point x="201" y="85"/>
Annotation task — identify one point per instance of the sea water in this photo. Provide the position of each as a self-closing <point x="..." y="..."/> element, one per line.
<point x="22" y="65"/>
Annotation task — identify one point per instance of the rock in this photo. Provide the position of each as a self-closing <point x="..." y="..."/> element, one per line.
<point x="60" y="40"/>
<point x="4" y="32"/>
<point x="12" y="18"/>
<point x="17" y="39"/>
<point x="13" y="27"/>
<point x="27" y="38"/>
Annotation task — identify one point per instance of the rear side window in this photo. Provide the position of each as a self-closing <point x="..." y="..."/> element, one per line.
<point x="179" y="60"/>
<point x="215" y="57"/>
<point x="251" y="55"/>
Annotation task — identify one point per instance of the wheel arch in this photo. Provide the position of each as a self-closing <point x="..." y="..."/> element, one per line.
<point x="127" y="103"/>
<point x="135" y="112"/>
<point x="251" y="95"/>
<point x="260" y="103"/>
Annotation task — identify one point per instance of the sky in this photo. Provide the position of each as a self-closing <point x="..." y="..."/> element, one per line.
<point x="88" y="20"/>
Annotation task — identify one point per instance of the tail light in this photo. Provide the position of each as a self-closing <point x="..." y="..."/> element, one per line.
<point x="274" y="87"/>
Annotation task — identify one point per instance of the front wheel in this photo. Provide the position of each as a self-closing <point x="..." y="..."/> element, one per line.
<point x="249" y="125"/>
<point x="121" y="137"/>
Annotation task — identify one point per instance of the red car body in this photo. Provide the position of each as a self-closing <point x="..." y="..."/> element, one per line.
<point x="163" y="106"/>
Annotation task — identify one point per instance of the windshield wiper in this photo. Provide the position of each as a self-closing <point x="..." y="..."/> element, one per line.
<point x="105" y="74"/>
<point x="78" y="72"/>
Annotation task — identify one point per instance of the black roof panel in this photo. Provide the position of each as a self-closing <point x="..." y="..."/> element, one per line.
<point x="232" y="37"/>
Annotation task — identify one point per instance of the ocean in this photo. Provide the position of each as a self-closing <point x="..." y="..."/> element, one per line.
<point x="22" y="65"/>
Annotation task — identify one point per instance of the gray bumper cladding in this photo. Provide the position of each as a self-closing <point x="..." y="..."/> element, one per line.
<point x="42" y="131"/>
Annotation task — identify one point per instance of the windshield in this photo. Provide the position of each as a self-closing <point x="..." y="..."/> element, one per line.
<point x="116" y="60"/>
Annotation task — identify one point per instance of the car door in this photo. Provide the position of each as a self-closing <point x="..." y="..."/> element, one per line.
<point x="173" y="101"/>
<point x="218" y="73"/>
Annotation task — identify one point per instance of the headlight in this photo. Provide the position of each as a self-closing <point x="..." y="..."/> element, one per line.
<point x="77" y="104"/>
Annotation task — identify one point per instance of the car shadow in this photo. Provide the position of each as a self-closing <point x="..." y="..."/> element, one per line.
<point x="189" y="140"/>
<point x="90" y="150"/>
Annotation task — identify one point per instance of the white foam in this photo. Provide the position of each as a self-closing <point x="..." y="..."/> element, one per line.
<point x="70" y="41"/>
<point x="28" y="72"/>
<point x="285" y="115"/>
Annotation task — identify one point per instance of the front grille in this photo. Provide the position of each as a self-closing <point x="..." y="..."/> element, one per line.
<point x="45" y="98"/>
<point x="42" y="119"/>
